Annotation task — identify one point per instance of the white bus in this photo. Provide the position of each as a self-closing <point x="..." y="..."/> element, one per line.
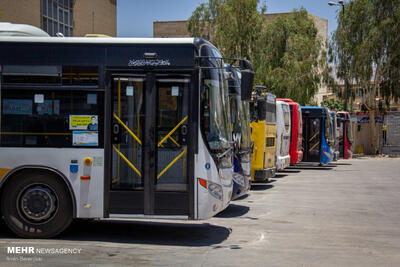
<point x="111" y="128"/>
<point x="283" y="126"/>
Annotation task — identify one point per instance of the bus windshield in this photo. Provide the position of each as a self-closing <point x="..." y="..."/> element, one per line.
<point x="215" y="111"/>
<point x="240" y="111"/>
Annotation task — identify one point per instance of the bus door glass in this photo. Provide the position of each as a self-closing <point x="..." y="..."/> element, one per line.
<point x="172" y="130"/>
<point x="314" y="139"/>
<point x="150" y="140"/>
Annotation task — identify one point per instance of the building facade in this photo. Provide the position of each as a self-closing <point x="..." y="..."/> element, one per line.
<point x="179" y="29"/>
<point x="69" y="17"/>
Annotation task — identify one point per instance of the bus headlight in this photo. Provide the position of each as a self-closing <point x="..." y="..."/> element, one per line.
<point x="215" y="190"/>
<point x="239" y="179"/>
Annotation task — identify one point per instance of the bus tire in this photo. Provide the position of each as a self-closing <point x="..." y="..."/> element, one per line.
<point x="36" y="204"/>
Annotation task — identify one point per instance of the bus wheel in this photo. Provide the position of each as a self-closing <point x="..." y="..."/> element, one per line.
<point x="36" y="205"/>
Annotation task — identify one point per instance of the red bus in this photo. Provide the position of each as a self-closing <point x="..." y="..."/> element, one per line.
<point x="345" y="135"/>
<point x="296" y="155"/>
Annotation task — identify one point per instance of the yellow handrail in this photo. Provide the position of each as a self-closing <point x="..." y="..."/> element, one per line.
<point x="311" y="149"/>
<point x="172" y="131"/>
<point x="313" y="136"/>
<point x="171" y="163"/>
<point x="127" y="161"/>
<point x="127" y="129"/>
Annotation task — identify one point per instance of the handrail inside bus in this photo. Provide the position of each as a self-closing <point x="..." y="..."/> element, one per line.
<point x="172" y="131"/>
<point x="127" y="129"/>
<point x="171" y="163"/>
<point x="127" y="161"/>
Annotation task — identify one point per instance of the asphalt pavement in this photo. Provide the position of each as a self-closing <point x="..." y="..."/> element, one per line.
<point x="345" y="214"/>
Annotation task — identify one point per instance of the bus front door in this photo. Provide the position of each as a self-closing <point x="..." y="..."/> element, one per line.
<point x="150" y="145"/>
<point x="312" y="139"/>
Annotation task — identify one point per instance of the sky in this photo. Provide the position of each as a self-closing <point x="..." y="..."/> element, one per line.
<point x="135" y="17"/>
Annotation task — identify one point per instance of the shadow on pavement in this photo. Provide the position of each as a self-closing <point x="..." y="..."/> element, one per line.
<point x="343" y="164"/>
<point x="260" y="187"/>
<point x="291" y="170"/>
<point x="232" y="211"/>
<point x="140" y="232"/>
<point x="280" y="175"/>
<point x="242" y="197"/>
<point x="326" y="168"/>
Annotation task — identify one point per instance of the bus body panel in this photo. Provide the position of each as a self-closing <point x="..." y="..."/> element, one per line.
<point x="257" y="157"/>
<point x="118" y="55"/>
<point x="345" y="140"/>
<point x="295" y="152"/>
<point x="270" y="149"/>
<point x="206" y="204"/>
<point x="88" y="192"/>
<point x="282" y="135"/>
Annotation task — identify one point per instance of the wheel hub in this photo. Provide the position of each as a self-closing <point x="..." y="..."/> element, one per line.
<point x="38" y="203"/>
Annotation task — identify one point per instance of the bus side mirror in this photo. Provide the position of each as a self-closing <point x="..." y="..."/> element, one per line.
<point x="246" y="84"/>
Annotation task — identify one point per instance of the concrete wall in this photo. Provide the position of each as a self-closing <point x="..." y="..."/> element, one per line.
<point x="95" y="16"/>
<point x="361" y="133"/>
<point x="21" y="12"/>
<point x="89" y="16"/>
<point x="392" y="146"/>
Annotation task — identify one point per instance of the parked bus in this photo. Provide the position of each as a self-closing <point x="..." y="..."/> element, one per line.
<point x="240" y="116"/>
<point x="317" y="135"/>
<point x="345" y="135"/>
<point x="295" y="152"/>
<point x="111" y="128"/>
<point x="283" y="126"/>
<point x="263" y="125"/>
<point x="335" y="135"/>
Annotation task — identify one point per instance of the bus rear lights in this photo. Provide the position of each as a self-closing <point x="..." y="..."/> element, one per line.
<point x="85" y="177"/>
<point x="238" y="178"/>
<point x="215" y="190"/>
<point x="88" y="161"/>
<point x="203" y="183"/>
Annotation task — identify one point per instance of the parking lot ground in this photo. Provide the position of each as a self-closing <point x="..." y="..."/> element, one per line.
<point x="345" y="214"/>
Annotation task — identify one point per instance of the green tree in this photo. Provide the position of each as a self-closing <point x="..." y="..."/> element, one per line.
<point x="288" y="56"/>
<point x="365" y="49"/>
<point x="333" y="104"/>
<point x="292" y="60"/>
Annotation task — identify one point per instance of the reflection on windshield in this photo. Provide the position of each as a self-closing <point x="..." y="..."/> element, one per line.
<point x="215" y="109"/>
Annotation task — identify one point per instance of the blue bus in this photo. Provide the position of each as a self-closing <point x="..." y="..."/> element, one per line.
<point x="317" y="135"/>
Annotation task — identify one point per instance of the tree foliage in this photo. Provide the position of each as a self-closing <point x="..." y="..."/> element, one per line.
<point x="292" y="59"/>
<point x="365" y="49"/>
<point x="333" y="104"/>
<point x="287" y="54"/>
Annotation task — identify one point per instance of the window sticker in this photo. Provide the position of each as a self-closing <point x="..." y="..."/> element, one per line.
<point x="175" y="91"/>
<point x="17" y="106"/>
<point x="47" y="107"/>
<point x="39" y="98"/>
<point x="85" y="138"/>
<point x="92" y="99"/>
<point x="129" y="90"/>
<point x="83" y="122"/>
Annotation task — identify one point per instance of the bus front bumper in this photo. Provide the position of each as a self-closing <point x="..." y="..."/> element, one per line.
<point x="264" y="174"/>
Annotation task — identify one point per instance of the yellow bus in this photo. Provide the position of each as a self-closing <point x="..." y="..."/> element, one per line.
<point x="263" y="136"/>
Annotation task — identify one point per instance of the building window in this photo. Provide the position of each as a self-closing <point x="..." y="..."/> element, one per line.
<point x="57" y="17"/>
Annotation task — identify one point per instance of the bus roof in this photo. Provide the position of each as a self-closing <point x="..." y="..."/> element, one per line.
<point x="313" y="111"/>
<point x="13" y="30"/>
<point x="97" y="40"/>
